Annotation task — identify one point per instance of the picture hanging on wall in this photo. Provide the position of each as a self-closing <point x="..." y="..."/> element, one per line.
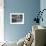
<point x="16" y="18"/>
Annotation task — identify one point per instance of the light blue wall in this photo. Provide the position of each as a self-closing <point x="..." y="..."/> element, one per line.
<point x="29" y="8"/>
<point x="43" y="6"/>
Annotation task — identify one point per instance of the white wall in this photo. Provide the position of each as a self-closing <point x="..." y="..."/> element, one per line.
<point x="1" y="21"/>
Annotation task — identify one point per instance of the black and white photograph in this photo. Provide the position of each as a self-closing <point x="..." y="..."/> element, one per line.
<point x="16" y="18"/>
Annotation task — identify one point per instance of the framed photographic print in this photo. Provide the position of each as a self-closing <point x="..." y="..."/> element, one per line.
<point x="16" y="18"/>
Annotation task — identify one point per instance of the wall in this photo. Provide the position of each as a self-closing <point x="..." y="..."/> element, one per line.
<point x="1" y="21"/>
<point x="43" y="6"/>
<point x="29" y="8"/>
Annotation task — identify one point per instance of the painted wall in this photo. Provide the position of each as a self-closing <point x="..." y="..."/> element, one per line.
<point x="43" y="6"/>
<point x="29" y="8"/>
